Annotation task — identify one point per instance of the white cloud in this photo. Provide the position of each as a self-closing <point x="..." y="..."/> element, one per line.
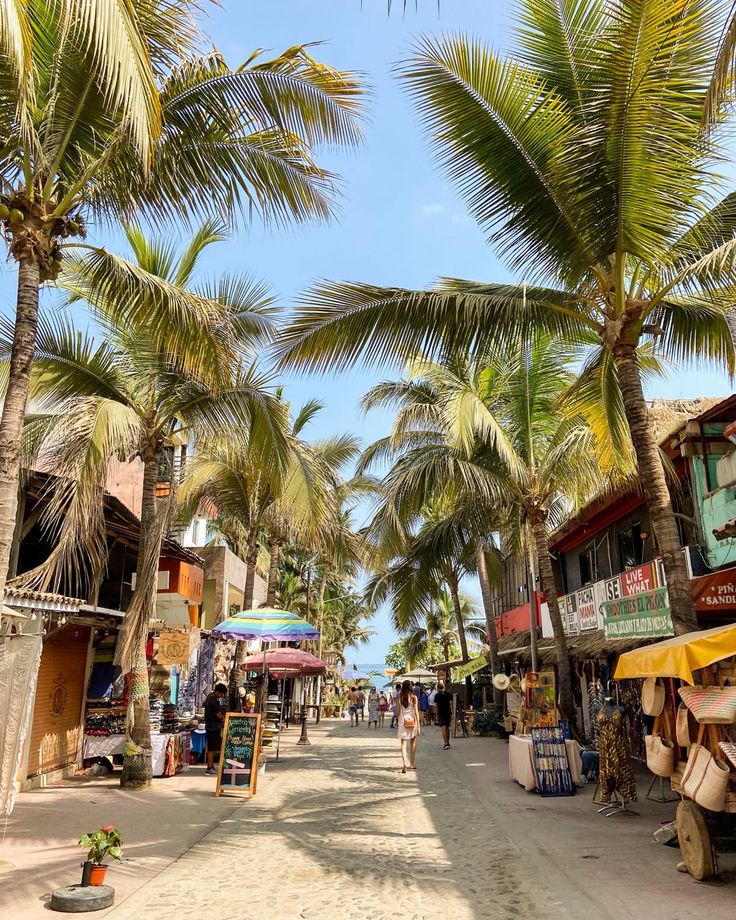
<point x="430" y="210"/>
<point x="460" y="219"/>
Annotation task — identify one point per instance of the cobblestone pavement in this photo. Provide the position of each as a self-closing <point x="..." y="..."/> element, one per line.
<point x="338" y="832"/>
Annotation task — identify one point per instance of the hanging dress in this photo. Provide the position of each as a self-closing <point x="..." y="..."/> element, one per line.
<point x="615" y="772"/>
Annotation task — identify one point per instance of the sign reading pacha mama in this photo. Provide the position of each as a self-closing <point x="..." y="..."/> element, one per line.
<point x="636" y="603"/>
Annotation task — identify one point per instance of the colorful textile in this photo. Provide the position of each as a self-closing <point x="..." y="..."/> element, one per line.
<point x="615" y="773"/>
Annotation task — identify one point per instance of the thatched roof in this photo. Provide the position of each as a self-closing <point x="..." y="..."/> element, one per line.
<point x="587" y="646"/>
<point x="669" y="415"/>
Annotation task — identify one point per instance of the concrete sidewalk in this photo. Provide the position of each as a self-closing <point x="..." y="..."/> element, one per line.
<point x="337" y="831"/>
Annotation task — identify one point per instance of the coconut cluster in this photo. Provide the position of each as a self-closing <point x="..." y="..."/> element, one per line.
<point x="13" y="218"/>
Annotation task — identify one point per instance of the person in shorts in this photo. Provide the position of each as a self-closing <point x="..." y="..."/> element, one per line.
<point x="353" y="707"/>
<point x="213" y="719"/>
<point x="443" y="703"/>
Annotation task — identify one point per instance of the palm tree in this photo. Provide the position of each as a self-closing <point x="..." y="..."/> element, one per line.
<point x="434" y="636"/>
<point x="491" y="439"/>
<point x="587" y="161"/>
<point x="133" y="397"/>
<point x="109" y="108"/>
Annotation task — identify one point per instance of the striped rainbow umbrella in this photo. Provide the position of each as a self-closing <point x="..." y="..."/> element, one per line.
<point x="266" y="623"/>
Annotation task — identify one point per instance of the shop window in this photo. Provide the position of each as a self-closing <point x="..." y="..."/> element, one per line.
<point x="631" y="546"/>
<point x="588" y="565"/>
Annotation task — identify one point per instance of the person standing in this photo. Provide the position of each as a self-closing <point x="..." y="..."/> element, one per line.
<point x="353" y="707"/>
<point x="213" y="719"/>
<point x="432" y="711"/>
<point x="423" y="704"/>
<point x="443" y="703"/>
<point x="409" y="727"/>
<point x="395" y="705"/>
<point x="361" y="703"/>
<point x="382" y="707"/>
<point x="373" y="708"/>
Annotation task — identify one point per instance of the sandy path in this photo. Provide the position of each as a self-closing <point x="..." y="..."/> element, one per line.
<point x="340" y="833"/>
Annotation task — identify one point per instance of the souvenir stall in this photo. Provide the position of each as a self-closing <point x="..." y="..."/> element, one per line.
<point x="542" y="755"/>
<point x="175" y="697"/>
<point x="690" y="688"/>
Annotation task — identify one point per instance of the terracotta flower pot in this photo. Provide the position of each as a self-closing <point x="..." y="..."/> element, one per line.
<point x="97" y="875"/>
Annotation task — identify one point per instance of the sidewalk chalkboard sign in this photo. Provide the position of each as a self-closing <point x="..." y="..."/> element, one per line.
<point x="241" y="742"/>
<point x="551" y="763"/>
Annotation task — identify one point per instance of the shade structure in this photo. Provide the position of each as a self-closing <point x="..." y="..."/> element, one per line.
<point x="268" y="624"/>
<point x="419" y="674"/>
<point x="680" y="655"/>
<point x="353" y="674"/>
<point x="284" y="662"/>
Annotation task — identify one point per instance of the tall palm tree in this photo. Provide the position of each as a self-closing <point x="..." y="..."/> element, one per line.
<point x="491" y="439"/>
<point x="131" y="396"/>
<point x="433" y="636"/>
<point x="587" y="160"/>
<point x="111" y="107"/>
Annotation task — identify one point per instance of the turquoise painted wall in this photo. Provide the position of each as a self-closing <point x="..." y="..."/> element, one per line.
<point x="716" y="509"/>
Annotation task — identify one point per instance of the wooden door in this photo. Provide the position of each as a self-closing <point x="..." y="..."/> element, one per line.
<point x="56" y="728"/>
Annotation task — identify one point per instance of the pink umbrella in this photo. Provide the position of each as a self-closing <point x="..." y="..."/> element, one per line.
<point x="282" y="663"/>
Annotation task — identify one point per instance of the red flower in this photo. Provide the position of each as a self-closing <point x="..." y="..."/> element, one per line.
<point x="107" y="828"/>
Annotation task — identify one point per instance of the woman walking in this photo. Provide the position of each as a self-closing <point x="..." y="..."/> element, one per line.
<point x="408" y="714"/>
<point x="373" y="708"/>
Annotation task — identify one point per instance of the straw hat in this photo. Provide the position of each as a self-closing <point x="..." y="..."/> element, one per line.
<point x="652" y="697"/>
<point x="515" y="683"/>
<point x="501" y="681"/>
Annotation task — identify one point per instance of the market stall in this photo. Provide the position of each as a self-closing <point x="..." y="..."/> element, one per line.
<point x="690" y="741"/>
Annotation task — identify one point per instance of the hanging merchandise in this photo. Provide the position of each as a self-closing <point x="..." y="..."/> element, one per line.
<point x="660" y="755"/>
<point x="173" y="648"/>
<point x="595" y="704"/>
<point x="705" y="778"/>
<point x="652" y="697"/>
<point x="711" y="705"/>
<point x="615" y="773"/>
<point x="551" y="763"/>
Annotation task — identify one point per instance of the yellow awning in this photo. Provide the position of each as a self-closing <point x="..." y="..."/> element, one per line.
<point x="679" y="656"/>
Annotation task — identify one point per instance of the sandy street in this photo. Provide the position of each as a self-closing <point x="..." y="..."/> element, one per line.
<point x="338" y="832"/>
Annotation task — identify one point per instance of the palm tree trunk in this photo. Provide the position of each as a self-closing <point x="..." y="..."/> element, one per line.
<point x="250" y="578"/>
<point x="274" y="547"/>
<point x="562" y="652"/>
<point x="654" y="485"/>
<point x="137" y="769"/>
<point x="14" y="406"/>
<point x="452" y="583"/>
<point x="485" y="590"/>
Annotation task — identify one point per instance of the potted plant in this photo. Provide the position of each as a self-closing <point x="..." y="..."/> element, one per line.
<point x="101" y="845"/>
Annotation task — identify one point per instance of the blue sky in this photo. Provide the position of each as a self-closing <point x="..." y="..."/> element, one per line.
<point x="400" y="221"/>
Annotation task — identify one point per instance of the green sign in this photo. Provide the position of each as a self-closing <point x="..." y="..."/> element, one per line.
<point x="241" y="738"/>
<point x="470" y="667"/>
<point x="645" y="614"/>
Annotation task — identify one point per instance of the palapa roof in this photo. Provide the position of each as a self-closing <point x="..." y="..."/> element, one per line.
<point x="586" y="646"/>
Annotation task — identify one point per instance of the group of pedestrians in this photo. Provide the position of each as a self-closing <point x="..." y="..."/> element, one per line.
<point x="411" y="708"/>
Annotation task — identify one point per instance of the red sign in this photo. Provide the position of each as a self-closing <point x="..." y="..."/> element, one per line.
<point x="517" y="620"/>
<point x="715" y="592"/>
<point x="638" y="581"/>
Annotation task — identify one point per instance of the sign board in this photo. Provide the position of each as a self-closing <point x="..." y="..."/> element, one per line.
<point x="587" y="603"/>
<point x="636" y="604"/>
<point x="569" y="614"/>
<point x="241" y="742"/>
<point x="470" y="667"/>
<point x="716" y="592"/>
<point x="646" y="614"/>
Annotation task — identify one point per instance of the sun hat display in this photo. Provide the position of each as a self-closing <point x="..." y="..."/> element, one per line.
<point x="652" y="697"/>
<point x="501" y="681"/>
<point x="515" y="683"/>
<point x="711" y="705"/>
<point x="660" y="755"/>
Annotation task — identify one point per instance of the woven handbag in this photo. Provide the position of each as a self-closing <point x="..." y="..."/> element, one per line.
<point x="652" y="697"/>
<point x="682" y="726"/>
<point x="711" y="705"/>
<point x="660" y="755"/>
<point x="705" y="779"/>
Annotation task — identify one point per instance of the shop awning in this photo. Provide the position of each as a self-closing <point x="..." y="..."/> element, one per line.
<point x="284" y="662"/>
<point x="680" y="655"/>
